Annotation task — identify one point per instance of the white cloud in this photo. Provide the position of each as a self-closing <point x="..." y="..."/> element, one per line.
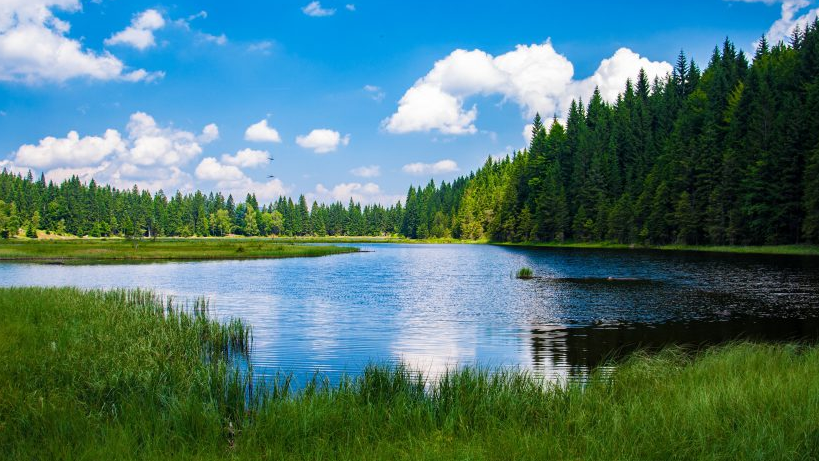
<point x="70" y="151"/>
<point x="154" y="179"/>
<point x="34" y="47"/>
<point x="210" y="169"/>
<point x="231" y="180"/>
<point x="314" y="9"/>
<point x="185" y="22"/>
<point x="322" y="141"/>
<point x="140" y="34"/>
<point x="263" y="47"/>
<point x="791" y="18"/>
<point x="360" y="193"/>
<point x="350" y="7"/>
<point x="247" y="158"/>
<point x="527" y="134"/>
<point x="371" y="171"/>
<point x="535" y="77"/>
<point x="59" y="175"/>
<point x="444" y="166"/>
<point x="375" y="92"/>
<point x="209" y="134"/>
<point x="427" y="107"/>
<point x="208" y="38"/>
<point x="151" y="156"/>
<point x="262" y="132"/>
<point x="155" y="145"/>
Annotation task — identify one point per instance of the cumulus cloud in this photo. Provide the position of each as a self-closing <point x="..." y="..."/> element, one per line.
<point x="59" y="175"/>
<point x="322" y="140"/>
<point x="152" y="178"/>
<point x="211" y="170"/>
<point x="140" y="34"/>
<point x="314" y="9"/>
<point x="34" y="47"/>
<point x="247" y="158"/>
<point x="229" y="179"/>
<point x="150" y="156"/>
<point x="536" y="77"/>
<point x="71" y="151"/>
<point x="371" y="171"/>
<point x="155" y="145"/>
<point x="444" y="166"/>
<point x="209" y="134"/>
<point x="262" y="132"/>
<point x="793" y="15"/>
<point x="360" y="193"/>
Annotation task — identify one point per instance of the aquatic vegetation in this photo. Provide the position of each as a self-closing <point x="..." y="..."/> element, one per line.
<point x="524" y="273"/>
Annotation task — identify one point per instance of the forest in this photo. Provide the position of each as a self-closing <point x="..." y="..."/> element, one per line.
<point x="724" y="155"/>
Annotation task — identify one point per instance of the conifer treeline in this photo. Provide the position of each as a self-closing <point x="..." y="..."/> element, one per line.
<point x="90" y="209"/>
<point x="727" y="155"/>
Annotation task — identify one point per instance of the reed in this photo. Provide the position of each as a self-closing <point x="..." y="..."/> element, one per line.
<point x="524" y="273"/>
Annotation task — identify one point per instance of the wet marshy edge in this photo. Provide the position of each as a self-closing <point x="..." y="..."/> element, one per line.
<point x="128" y="374"/>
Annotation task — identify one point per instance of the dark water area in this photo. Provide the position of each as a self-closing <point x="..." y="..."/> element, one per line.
<point x="439" y="306"/>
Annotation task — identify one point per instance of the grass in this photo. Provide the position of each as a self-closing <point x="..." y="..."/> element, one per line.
<point x="800" y="250"/>
<point x="127" y="375"/>
<point x="796" y="250"/>
<point x="524" y="273"/>
<point x="100" y="250"/>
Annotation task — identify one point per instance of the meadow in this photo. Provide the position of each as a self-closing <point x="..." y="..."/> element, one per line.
<point x="131" y="375"/>
<point x="90" y="250"/>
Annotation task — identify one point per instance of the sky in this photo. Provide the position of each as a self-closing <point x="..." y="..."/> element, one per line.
<point x="358" y="99"/>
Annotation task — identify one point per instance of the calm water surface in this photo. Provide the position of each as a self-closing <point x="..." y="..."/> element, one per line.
<point x="435" y="306"/>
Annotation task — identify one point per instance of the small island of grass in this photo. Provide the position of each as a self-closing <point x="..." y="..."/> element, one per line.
<point x="122" y="250"/>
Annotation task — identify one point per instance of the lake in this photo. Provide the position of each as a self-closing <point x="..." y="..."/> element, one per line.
<point x="437" y="306"/>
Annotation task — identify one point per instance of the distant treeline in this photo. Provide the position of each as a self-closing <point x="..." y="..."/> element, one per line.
<point x="726" y="155"/>
<point x="91" y="209"/>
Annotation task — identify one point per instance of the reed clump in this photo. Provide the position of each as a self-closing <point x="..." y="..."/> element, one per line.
<point x="125" y="374"/>
<point x="524" y="273"/>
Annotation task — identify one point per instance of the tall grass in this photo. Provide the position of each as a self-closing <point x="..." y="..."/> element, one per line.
<point x="524" y="273"/>
<point x="125" y="374"/>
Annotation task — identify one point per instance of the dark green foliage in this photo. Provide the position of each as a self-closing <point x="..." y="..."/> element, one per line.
<point x="79" y="209"/>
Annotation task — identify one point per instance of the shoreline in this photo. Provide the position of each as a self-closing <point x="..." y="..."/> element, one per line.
<point x="783" y="250"/>
<point x="79" y="251"/>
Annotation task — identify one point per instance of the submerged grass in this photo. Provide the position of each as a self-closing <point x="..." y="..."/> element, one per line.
<point x="101" y="250"/>
<point x="125" y="375"/>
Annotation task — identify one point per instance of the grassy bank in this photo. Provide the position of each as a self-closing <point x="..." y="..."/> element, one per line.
<point x="89" y="250"/>
<point x="798" y="250"/>
<point x="116" y="375"/>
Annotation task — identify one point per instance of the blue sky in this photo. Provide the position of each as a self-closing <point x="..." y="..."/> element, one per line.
<point x="359" y="99"/>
